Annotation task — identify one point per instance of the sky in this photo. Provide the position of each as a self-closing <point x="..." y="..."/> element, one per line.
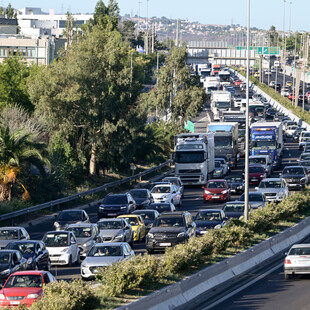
<point x="264" y="13"/>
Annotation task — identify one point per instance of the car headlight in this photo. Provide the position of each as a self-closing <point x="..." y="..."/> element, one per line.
<point x="262" y="176"/>
<point x="2" y="296"/>
<point x="166" y="196"/>
<point x="101" y="207"/>
<point x="118" y="236"/>
<point x="32" y="296"/>
<point x="207" y="192"/>
<point x="56" y="224"/>
<point x="123" y="207"/>
<point x="87" y="243"/>
<point x="6" y="271"/>
<point x="149" y="235"/>
<point x="181" y="235"/>
<point x="303" y="179"/>
<point x="65" y="250"/>
<point x="218" y="226"/>
<point x="281" y="194"/>
<point x="225" y="191"/>
<point x="240" y="187"/>
<point x="29" y="260"/>
<point x="218" y="171"/>
<point x="145" y="202"/>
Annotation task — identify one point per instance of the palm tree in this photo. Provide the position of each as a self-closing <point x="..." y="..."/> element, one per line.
<point x="18" y="151"/>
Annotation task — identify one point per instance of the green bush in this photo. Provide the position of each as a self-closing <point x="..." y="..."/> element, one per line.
<point x="63" y="295"/>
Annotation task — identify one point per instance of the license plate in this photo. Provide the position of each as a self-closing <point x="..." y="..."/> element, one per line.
<point x="254" y="180"/>
<point x="15" y="302"/>
<point x="112" y="214"/>
<point x="164" y="244"/>
<point x="216" y="197"/>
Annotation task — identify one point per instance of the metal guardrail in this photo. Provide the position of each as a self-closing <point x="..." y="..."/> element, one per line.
<point x="92" y="191"/>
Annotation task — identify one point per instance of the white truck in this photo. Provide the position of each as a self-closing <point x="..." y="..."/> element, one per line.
<point x="220" y="101"/>
<point x="194" y="157"/>
<point x="211" y="83"/>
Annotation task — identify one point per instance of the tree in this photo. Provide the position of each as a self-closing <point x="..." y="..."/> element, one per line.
<point x="18" y="151"/>
<point x="67" y="32"/>
<point x="9" y="12"/>
<point x="89" y="98"/>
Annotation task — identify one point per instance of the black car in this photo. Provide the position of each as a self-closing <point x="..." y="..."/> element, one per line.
<point x="169" y="229"/>
<point x="114" y="205"/>
<point x="234" y="209"/>
<point x="236" y="185"/>
<point x="34" y="252"/>
<point x="296" y="177"/>
<point x="148" y="216"/>
<point x="11" y="261"/>
<point x="209" y="219"/>
<point x="162" y="207"/>
<point x="67" y="217"/>
<point x="142" y="197"/>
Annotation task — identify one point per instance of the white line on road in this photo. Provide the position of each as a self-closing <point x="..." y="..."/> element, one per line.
<point x="243" y="287"/>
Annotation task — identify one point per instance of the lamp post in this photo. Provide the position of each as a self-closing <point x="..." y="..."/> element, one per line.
<point x="284" y="43"/>
<point x="246" y="170"/>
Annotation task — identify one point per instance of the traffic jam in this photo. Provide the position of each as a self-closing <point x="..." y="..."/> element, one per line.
<point x="209" y="165"/>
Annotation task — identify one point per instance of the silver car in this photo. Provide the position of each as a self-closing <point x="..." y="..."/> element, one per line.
<point x="115" y="230"/>
<point x="274" y="189"/>
<point x="177" y="182"/>
<point x="297" y="260"/>
<point x="256" y="200"/>
<point x="87" y="235"/>
<point x="104" y="254"/>
<point x="224" y="164"/>
<point x="8" y="234"/>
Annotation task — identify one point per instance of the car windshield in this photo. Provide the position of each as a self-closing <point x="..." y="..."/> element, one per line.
<point x="234" y="208"/>
<point x="253" y="197"/>
<point x="296" y="170"/>
<point x="271" y="184"/>
<point x="138" y="193"/>
<point x="160" y="207"/>
<point x="169" y="222"/>
<point x="147" y="215"/>
<point x="161" y="189"/>
<point x="213" y="184"/>
<point x="264" y="145"/>
<point x="8" y="234"/>
<point x="217" y="164"/>
<point x="106" y="251"/>
<point x="222" y="142"/>
<point x="5" y="258"/>
<point x="234" y="180"/>
<point x="70" y="216"/>
<point x="257" y="160"/>
<point x="224" y="104"/>
<point x="132" y="220"/>
<point x="256" y="170"/>
<point x="24" y="281"/>
<point x="305" y="157"/>
<point x="24" y="248"/>
<point x="299" y="251"/>
<point x="56" y="240"/>
<point x="110" y="225"/>
<point x="208" y="216"/>
<point x="115" y="200"/>
<point x="81" y="232"/>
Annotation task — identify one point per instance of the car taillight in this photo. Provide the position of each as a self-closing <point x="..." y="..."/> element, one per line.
<point x="287" y="261"/>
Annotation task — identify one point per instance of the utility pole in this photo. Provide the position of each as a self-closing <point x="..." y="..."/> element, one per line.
<point x="284" y="44"/>
<point x="139" y="2"/>
<point x="147" y="28"/>
<point x="153" y="38"/>
<point x="177" y="35"/>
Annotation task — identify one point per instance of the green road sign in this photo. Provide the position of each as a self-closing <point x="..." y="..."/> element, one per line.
<point x="190" y="126"/>
<point x="292" y="68"/>
<point x="262" y="50"/>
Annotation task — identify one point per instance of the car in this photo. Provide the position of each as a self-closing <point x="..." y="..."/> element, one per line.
<point x="242" y="86"/>
<point x="148" y="216"/>
<point x="34" y="252"/>
<point x="306" y="147"/>
<point x="223" y="163"/>
<point x="304" y="157"/>
<point x="289" y="83"/>
<point x="11" y="261"/>
<point x="291" y="96"/>
<point x="164" y="193"/>
<point x="104" y="254"/>
<point x="235" y="184"/>
<point x="256" y="74"/>
<point x="272" y="83"/>
<point x="62" y="247"/>
<point x="216" y="190"/>
<point x="296" y="177"/>
<point x="304" y="138"/>
<point x="116" y="204"/>
<point x="162" y="207"/>
<point x="67" y="217"/>
<point x="142" y="197"/>
<point x="302" y="98"/>
<point x="296" y="134"/>
<point x="137" y="224"/>
<point x="238" y="82"/>
<point x="256" y="200"/>
<point x="263" y="160"/>
<point x="209" y="219"/>
<point x="218" y="170"/>
<point x="285" y="91"/>
<point x="289" y="130"/>
<point x="23" y="288"/>
<point x="256" y="174"/>
<point x="297" y="260"/>
<point x="8" y="234"/>
<point x="231" y="90"/>
<point x="268" y="72"/>
<point x="234" y="209"/>
<point x="115" y="230"/>
<point x="86" y="234"/>
<point x="169" y="229"/>
<point x="274" y="189"/>
<point x="177" y="182"/>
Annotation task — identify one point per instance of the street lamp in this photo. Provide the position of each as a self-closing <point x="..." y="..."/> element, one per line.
<point x="246" y="170"/>
<point x="284" y="43"/>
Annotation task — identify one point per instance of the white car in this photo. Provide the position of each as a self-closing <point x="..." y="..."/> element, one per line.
<point x="62" y="247"/>
<point x="274" y="189"/>
<point x="224" y="164"/>
<point x="104" y="254"/>
<point x="290" y="130"/>
<point x="167" y="193"/>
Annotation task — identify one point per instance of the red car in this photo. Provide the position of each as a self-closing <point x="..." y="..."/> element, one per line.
<point x="24" y="287"/>
<point x="291" y="96"/>
<point x="238" y="82"/>
<point x="216" y="190"/>
<point x="256" y="174"/>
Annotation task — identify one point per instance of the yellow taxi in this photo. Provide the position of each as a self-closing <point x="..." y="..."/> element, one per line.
<point x="137" y="224"/>
<point x="256" y="74"/>
<point x="289" y="83"/>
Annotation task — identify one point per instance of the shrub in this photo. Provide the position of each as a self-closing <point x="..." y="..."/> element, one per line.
<point x="66" y="296"/>
<point x="238" y="235"/>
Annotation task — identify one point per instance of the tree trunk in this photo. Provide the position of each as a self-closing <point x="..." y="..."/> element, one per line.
<point x="92" y="162"/>
<point x="5" y="191"/>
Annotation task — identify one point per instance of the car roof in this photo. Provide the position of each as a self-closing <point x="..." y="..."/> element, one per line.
<point x="272" y="179"/>
<point x="81" y="225"/>
<point x="8" y="251"/>
<point x="292" y="167"/>
<point x="128" y="215"/>
<point x="138" y="189"/>
<point x="58" y="232"/>
<point x="110" y="219"/>
<point x="160" y="204"/>
<point x="110" y="244"/>
<point x="256" y="165"/>
<point x="25" y="241"/>
<point x="301" y="245"/>
<point x="10" y="227"/>
<point x="217" y="180"/>
<point x="210" y="210"/>
<point x="29" y="272"/>
<point x="143" y="211"/>
<point x="71" y="210"/>
<point x="235" y="202"/>
<point x="177" y="213"/>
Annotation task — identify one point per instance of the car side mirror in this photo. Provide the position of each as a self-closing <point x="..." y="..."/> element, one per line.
<point x="55" y="216"/>
<point x="73" y="242"/>
<point x="256" y="188"/>
<point x="126" y="227"/>
<point x="280" y="174"/>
